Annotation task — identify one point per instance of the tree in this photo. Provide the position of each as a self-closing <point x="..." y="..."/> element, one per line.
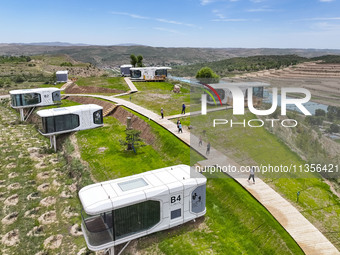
<point x="66" y="64"/>
<point x="133" y="60"/>
<point x="206" y="75"/>
<point x="320" y="112"/>
<point x="132" y="139"/>
<point x="333" y="112"/>
<point x="19" y="79"/>
<point x="52" y="79"/>
<point x="314" y="120"/>
<point x="139" y="60"/>
<point x="334" y="128"/>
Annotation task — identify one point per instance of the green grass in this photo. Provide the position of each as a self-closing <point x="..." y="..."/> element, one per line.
<point x="105" y="82"/>
<point x="235" y="222"/>
<point x="64" y="103"/>
<point x="170" y="142"/>
<point x="250" y="146"/>
<point x="157" y="95"/>
<point x="58" y="85"/>
<point x="115" y="161"/>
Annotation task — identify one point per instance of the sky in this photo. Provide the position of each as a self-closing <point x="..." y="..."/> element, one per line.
<point x="175" y="23"/>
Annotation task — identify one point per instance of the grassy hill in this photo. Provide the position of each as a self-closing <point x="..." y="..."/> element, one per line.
<point x="235" y="222"/>
<point x="36" y="71"/>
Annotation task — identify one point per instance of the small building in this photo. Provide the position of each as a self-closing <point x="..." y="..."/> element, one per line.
<point x="226" y="95"/>
<point x="62" y="76"/>
<point x="69" y="119"/>
<point x="31" y="98"/>
<point x="120" y="210"/>
<point x="149" y="73"/>
<point x="125" y="70"/>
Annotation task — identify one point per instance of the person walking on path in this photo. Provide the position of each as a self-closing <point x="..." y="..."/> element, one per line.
<point x="200" y="142"/>
<point x="208" y="149"/>
<point x="183" y="109"/>
<point x="252" y="174"/>
<point x="178" y="122"/>
<point x="162" y="113"/>
<point x="180" y="128"/>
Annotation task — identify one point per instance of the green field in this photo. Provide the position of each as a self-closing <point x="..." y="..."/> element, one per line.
<point x="249" y="146"/>
<point x="235" y="222"/>
<point x="157" y="95"/>
<point x="115" y="162"/>
<point x="105" y="82"/>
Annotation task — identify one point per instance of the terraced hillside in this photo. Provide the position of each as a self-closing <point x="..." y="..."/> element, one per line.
<point x="321" y="79"/>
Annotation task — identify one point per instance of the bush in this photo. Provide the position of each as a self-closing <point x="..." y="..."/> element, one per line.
<point x="207" y="75"/>
<point x="320" y="112"/>
<point x="66" y="64"/>
<point x="333" y="112"/>
<point x="334" y="128"/>
<point x="314" y="120"/>
<point x="19" y="79"/>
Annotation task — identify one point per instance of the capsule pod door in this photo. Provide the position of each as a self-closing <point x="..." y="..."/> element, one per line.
<point x="176" y="202"/>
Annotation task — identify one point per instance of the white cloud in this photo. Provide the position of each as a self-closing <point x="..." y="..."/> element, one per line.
<point x="261" y="10"/>
<point x="206" y="2"/>
<point x="321" y="19"/>
<point x="223" y="18"/>
<point x="219" y="14"/>
<point x="175" y="22"/>
<point x="327" y="26"/>
<point x="230" y="20"/>
<point x="136" y="16"/>
<point x="167" y="30"/>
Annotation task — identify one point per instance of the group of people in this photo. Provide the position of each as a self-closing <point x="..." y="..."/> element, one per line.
<point x="200" y="143"/>
<point x="179" y="124"/>
<point x="162" y="110"/>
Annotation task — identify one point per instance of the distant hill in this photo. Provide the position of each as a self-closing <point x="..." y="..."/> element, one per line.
<point x="114" y="56"/>
<point x="231" y="66"/>
<point x="53" y="44"/>
<point x="240" y="65"/>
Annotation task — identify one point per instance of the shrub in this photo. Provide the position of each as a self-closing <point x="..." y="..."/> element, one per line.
<point x="207" y="75"/>
<point x="314" y="120"/>
<point x="320" y="112"/>
<point x="334" y="128"/>
<point x="66" y="64"/>
<point x="19" y="79"/>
